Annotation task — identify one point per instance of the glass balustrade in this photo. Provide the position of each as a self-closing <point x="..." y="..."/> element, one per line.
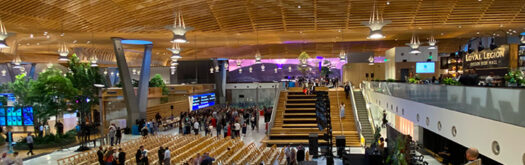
<point x="500" y="104"/>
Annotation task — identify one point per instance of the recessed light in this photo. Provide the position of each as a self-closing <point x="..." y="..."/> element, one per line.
<point x="45" y="33"/>
<point x="477" y="32"/>
<point x="298" y="6"/>
<point x="74" y="41"/>
<point x="419" y="28"/>
<point x="500" y="25"/>
<point x="459" y="26"/>
<point x="62" y="35"/>
<point x="38" y="43"/>
<point x="387" y="2"/>
<point x="31" y="35"/>
<point x="442" y="33"/>
<point x="47" y="36"/>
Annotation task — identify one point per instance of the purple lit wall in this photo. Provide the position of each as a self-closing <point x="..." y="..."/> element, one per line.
<point x="282" y="65"/>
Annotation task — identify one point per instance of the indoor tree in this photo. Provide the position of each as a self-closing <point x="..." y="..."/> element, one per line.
<point x="50" y="94"/>
<point x="83" y="77"/>
<point x="157" y="81"/>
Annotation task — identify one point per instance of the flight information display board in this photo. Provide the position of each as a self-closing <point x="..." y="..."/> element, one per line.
<point x="201" y="101"/>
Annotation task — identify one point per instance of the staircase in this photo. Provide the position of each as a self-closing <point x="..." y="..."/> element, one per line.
<point x="294" y="121"/>
<point x="343" y="126"/>
<point x="366" y="127"/>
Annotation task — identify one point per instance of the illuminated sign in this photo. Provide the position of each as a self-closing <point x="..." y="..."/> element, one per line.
<point x="496" y="58"/>
<point x="201" y="101"/>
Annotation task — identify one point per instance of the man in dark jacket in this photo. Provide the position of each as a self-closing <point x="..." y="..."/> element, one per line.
<point x="161" y="155"/>
<point x="138" y="155"/>
<point x="100" y="154"/>
<point x="300" y="154"/>
<point x="121" y="157"/>
<point x="347" y="89"/>
<point x="206" y="159"/>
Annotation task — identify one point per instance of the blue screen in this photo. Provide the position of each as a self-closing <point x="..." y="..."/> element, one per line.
<point x="425" y="67"/>
<point x="9" y="116"/>
<point x="28" y="115"/>
<point x="202" y="101"/>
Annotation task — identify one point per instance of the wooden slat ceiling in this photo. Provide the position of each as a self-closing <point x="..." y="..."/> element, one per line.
<point x="236" y="28"/>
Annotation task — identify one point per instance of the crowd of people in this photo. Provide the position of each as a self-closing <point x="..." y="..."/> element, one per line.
<point x="294" y="155"/>
<point x="224" y="121"/>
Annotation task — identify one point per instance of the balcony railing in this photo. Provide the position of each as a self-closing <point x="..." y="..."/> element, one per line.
<point x="500" y="104"/>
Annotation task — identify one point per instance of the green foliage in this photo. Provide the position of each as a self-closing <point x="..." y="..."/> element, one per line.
<point x="49" y="141"/>
<point x="157" y="81"/>
<point x="396" y="155"/>
<point x="325" y="71"/>
<point x="21" y="88"/>
<point x="390" y="80"/>
<point x="450" y="81"/>
<point x="50" y="94"/>
<point x="413" y="80"/>
<point x="514" y="77"/>
<point x="377" y="135"/>
<point x="83" y="77"/>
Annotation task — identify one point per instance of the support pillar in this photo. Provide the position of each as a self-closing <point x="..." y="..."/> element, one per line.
<point x="220" y="82"/>
<point x="135" y="105"/>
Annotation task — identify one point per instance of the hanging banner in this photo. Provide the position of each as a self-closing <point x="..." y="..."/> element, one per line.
<point x="487" y="59"/>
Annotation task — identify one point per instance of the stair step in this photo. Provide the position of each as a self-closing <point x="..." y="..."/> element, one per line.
<point x="299" y="125"/>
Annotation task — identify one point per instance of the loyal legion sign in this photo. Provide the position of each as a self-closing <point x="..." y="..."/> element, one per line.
<point x="496" y="58"/>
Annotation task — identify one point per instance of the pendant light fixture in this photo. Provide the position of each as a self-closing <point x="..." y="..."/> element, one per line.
<point x="105" y="71"/>
<point x="17" y="63"/>
<point x="432" y="42"/>
<point x="94" y="59"/>
<point x="262" y="68"/>
<point x="240" y="70"/>
<point x="376" y="23"/>
<point x="371" y="60"/>
<point x="179" y="29"/>
<point x="289" y="69"/>
<point x="173" y="70"/>
<point x="4" y="72"/>
<point x="257" y="57"/>
<point x="238" y="63"/>
<point x="275" y="70"/>
<point x="414" y="44"/>
<point x="63" y="52"/>
<point x="134" y="71"/>
<point x="175" y="52"/>
<point x="211" y="70"/>
<point x="3" y="36"/>
<point x="257" y="53"/>
<point x="250" y="69"/>
<point x="217" y="69"/>
<point x="342" y="56"/>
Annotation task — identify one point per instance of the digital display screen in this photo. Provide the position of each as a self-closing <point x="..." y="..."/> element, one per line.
<point x="9" y="116"/>
<point x="425" y="67"/>
<point x="202" y="101"/>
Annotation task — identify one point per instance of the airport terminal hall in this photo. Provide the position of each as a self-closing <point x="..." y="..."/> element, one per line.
<point x="262" y="82"/>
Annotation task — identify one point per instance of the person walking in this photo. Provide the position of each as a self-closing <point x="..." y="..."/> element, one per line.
<point x="111" y="133"/>
<point x="167" y="156"/>
<point x="196" y="127"/>
<point x="30" y="141"/>
<point x="347" y="89"/>
<point x="237" y="129"/>
<point x="342" y="110"/>
<point x="160" y="154"/>
<point x="118" y="135"/>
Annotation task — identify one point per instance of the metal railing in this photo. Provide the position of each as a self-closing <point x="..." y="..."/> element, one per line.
<point x="370" y="114"/>
<point x="356" y="117"/>
<point x="278" y="90"/>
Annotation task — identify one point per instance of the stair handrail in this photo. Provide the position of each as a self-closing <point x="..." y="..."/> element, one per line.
<point x="356" y="117"/>
<point x="278" y="90"/>
<point x="370" y="116"/>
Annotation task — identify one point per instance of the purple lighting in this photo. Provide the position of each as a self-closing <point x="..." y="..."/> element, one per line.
<point x="281" y="62"/>
<point x="294" y="42"/>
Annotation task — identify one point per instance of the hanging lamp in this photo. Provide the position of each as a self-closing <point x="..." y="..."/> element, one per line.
<point x="371" y="60"/>
<point x="414" y="44"/>
<point x="342" y="56"/>
<point x="432" y="42"/>
<point x="4" y="72"/>
<point x="63" y="52"/>
<point x="211" y="70"/>
<point x="376" y="24"/>
<point x="17" y="63"/>
<point x="275" y="70"/>
<point x="262" y="68"/>
<point x="179" y="29"/>
<point x="175" y="52"/>
<point x="3" y="36"/>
